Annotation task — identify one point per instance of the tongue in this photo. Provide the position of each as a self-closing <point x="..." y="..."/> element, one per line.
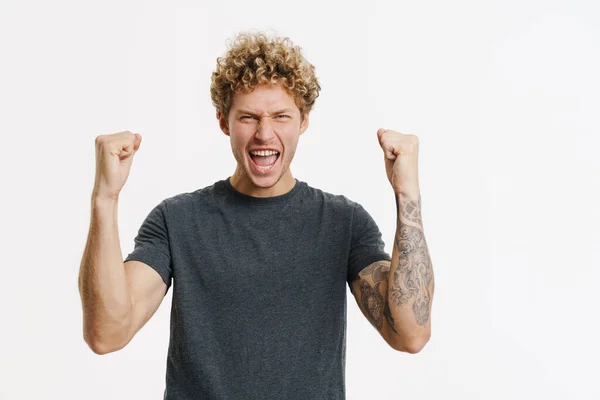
<point x="264" y="160"/>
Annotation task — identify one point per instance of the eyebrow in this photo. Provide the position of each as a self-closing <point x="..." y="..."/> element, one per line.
<point x="284" y="110"/>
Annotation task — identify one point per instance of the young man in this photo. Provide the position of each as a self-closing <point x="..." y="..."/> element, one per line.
<point x="259" y="261"/>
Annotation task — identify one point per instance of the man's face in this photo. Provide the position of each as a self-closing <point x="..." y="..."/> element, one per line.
<point x="266" y="118"/>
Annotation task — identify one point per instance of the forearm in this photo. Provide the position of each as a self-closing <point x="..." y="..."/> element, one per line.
<point x="410" y="281"/>
<point x="103" y="286"/>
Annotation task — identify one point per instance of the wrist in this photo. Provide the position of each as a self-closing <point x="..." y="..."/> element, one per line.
<point x="408" y="195"/>
<point x="104" y="201"/>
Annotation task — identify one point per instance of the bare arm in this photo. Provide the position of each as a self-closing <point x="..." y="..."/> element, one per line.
<point x="410" y="280"/>
<point x="117" y="298"/>
<point x="106" y="297"/>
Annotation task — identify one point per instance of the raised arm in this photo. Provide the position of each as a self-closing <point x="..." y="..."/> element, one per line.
<point x="410" y="280"/>
<point x="106" y="297"/>
<point x="117" y="298"/>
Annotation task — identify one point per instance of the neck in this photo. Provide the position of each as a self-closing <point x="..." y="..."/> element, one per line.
<point x="264" y="186"/>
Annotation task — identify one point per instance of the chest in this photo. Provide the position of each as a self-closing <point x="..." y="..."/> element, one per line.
<point x="240" y="259"/>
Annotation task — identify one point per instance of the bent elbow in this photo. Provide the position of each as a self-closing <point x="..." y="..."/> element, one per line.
<point x="102" y="348"/>
<point x="413" y="346"/>
<point x="98" y="348"/>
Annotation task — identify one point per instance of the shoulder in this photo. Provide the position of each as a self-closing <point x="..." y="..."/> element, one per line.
<point x="328" y="198"/>
<point x="351" y="210"/>
<point x="186" y="201"/>
<point x="337" y="206"/>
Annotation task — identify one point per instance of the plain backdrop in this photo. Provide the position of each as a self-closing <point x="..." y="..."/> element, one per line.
<point x="503" y="96"/>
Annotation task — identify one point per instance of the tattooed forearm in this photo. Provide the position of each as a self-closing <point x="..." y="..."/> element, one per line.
<point x="411" y="210"/>
<point x="373" y="302"/>
<point x="388" y="316"/>
<point x="412" y="279"/>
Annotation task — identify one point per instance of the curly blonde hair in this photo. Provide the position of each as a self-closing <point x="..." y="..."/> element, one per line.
<point x="252" y="60"/>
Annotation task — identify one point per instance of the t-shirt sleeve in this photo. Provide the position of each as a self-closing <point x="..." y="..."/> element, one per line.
<point x="366" y="246"/>
<point x="152" y="244"/>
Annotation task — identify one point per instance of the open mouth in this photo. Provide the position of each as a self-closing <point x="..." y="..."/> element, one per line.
<point x="264" y="160"/>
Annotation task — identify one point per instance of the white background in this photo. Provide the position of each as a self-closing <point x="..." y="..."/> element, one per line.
<point x="504" y="96"/>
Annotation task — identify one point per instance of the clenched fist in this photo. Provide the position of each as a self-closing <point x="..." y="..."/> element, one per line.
<point x="401" y="155"/>
<point x="114" y="155"/>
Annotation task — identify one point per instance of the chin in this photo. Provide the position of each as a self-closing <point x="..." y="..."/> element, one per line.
<point x="264" y="181"/>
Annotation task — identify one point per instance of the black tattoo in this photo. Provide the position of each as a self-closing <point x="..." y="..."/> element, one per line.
<point x="413" y="274"/>
<point x="373" y="302"/>
<point x="388" y="316"/>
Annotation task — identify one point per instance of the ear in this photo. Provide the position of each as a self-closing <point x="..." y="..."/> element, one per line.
<point x="304" y="123"/>
<point x="223" y="123"/>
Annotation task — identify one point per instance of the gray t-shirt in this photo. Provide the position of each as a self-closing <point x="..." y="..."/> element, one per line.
<point x="259" y="289"/>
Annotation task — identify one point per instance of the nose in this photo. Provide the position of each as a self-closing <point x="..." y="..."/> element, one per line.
<point x="265" y="131"/>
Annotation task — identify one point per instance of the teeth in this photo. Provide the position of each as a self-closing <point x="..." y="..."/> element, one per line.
<point x="265" y="167"/>
<point x="264" y="152"/>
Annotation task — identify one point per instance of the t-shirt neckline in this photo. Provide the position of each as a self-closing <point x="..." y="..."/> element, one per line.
<point x="282" y="198"/>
